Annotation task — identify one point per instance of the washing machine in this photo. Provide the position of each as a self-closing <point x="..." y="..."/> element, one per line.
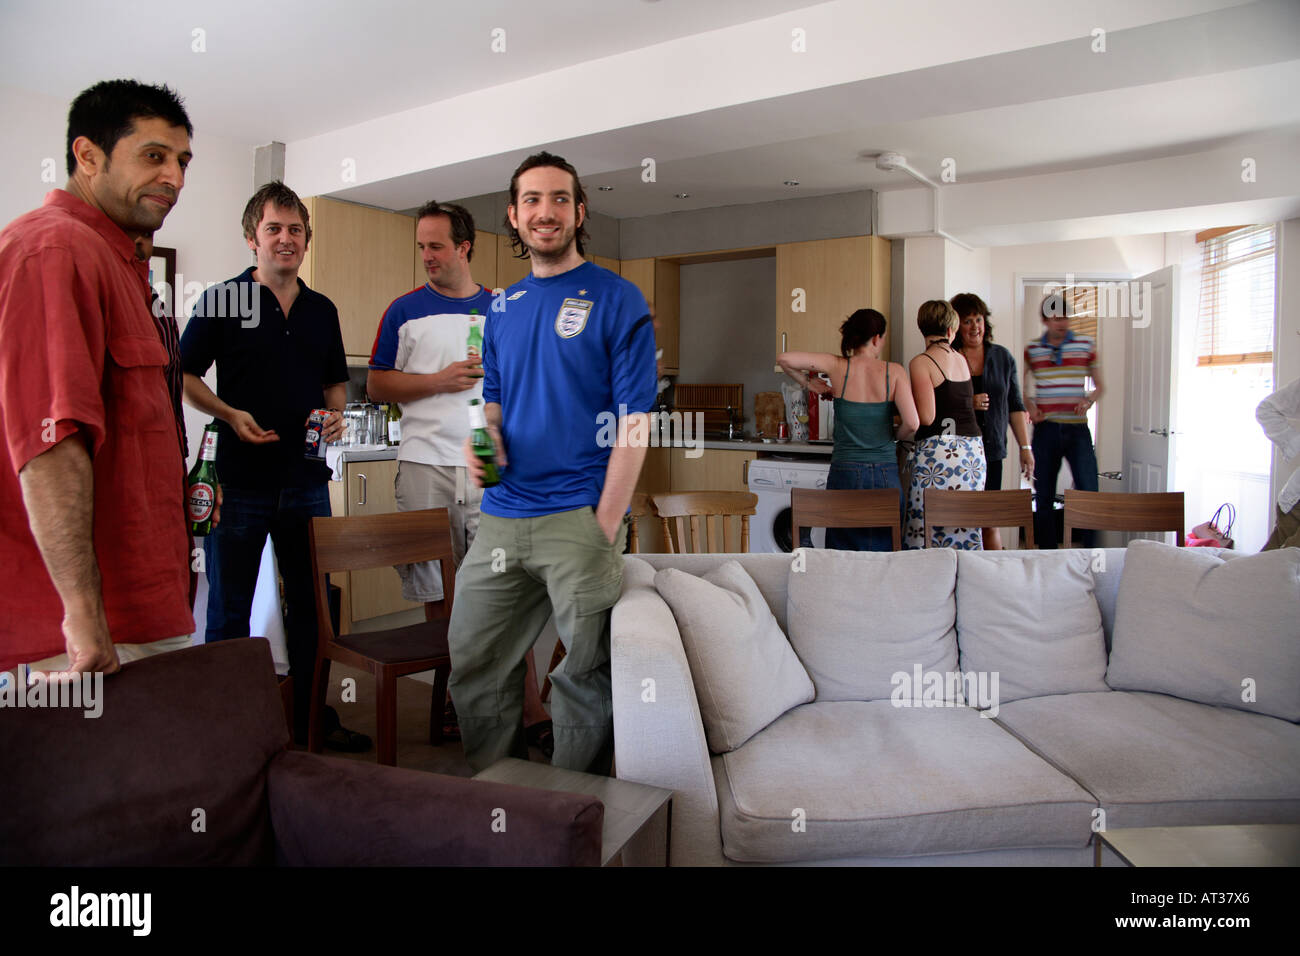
<point x="771" y="480"/>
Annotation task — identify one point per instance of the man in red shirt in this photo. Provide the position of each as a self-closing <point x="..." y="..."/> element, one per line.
<point x="91" y="475"/>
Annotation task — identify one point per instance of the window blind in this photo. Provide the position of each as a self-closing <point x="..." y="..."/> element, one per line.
<point x="1235" y="321"/>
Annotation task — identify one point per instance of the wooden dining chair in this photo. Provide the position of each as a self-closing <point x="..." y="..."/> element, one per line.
<point x="693" y="509"/>
<point x="375" y="541"/>
<point x="640" y="507"/>
<point x="979" y="509"/>
<point x="857" y="508"/>
<point x="1123" y="511"/>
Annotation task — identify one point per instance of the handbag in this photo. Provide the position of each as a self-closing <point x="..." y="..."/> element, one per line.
<point x="1208" y="534"/>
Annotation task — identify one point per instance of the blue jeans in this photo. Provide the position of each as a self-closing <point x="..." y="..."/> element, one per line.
<point x="853" y="475"/>
<point x="233" y="553"/>
<point x="1053" y="442"/>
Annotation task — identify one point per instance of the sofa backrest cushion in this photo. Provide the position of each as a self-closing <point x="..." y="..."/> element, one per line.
<point x="1031" y="617"/>
<point x="1197" y="626"/>
<point x="858" y="618"/>
<point x="745" y="673"/>
<point x="188" y="731"/>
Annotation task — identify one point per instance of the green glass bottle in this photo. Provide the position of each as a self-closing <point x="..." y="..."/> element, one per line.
<point x="201" y="500"/>
<point x="394" y="423"/>
<point x="481" y="441"/>
<point x="474" y="342"/>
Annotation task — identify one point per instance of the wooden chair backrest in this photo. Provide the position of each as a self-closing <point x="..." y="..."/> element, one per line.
<point x="858" y="508"/>
<point x="979" y="509"/>
<point x="1124" y="511"/>
<point x="694" y="508"/>
<point x="374" y="541"/>
<point x="641" y="507"/>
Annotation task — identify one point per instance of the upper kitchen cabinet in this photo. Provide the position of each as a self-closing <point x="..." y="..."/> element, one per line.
<point x="820" y="283"/>
<point x="360" y="258"/>
<point x="483" y="267"/>
<point x="660" y="282"/>
<point x="509" y="269"/>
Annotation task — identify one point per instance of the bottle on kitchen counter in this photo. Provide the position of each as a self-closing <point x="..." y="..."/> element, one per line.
<point x="201" y="499"/>
<point x="481" y="441"/>
<point x="394" y="424"/>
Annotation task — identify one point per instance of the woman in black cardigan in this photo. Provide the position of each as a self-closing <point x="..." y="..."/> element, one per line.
<point x="997" y="395"/>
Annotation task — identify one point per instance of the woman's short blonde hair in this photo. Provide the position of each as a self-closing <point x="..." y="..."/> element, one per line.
<point x="937" y="317"/>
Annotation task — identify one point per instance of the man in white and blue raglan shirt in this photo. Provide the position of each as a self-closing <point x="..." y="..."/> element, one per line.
<point x="572" y="351"/>
<point x="421" y="360"/>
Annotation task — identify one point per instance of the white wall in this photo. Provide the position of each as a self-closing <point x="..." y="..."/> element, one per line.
<point x="203" y="228"/>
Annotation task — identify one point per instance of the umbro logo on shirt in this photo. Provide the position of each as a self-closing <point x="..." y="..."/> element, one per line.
<point x="516" y="295"/>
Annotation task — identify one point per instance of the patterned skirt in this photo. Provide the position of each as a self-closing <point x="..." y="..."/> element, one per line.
<point x="951" y="463"/>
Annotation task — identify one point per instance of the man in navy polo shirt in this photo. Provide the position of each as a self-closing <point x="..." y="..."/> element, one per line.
<point x="572" y="352"/>
<point x="279" y="354"/>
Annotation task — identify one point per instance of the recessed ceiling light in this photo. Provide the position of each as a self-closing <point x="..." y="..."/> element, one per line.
<point x="682" y="195"/>
<point x="792" y="182"/>
<point x="606" y="189"/>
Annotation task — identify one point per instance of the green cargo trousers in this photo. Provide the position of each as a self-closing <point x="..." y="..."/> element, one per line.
<point x="516" y="572"/>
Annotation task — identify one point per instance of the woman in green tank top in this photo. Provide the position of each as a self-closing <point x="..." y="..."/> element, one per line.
<point x="867" y="392"/>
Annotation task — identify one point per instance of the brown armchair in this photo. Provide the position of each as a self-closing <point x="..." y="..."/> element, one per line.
<point x="188" y="765"/>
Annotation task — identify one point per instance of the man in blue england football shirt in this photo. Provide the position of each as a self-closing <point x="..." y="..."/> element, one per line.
<point x="573" y="346"/>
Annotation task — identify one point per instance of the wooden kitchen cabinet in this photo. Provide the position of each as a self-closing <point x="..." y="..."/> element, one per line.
<point x="717" y="469"/>
<point x="838" y="277"/>
<point x="655" y="479"/>
<point x="660" y="282"/>
<point x="367" y="489"/>
<point x="509" y="269"/>
<point x="360" y="258"/>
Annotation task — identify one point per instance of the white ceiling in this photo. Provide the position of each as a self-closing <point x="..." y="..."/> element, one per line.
<point x="1176" y="78"/>
<point x="293" y="69"/>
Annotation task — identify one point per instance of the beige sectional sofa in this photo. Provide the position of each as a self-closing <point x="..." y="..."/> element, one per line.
<point x="939" y="707"/>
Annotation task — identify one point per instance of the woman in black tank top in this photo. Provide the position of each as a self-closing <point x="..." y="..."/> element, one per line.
<point x="949" y="450"/>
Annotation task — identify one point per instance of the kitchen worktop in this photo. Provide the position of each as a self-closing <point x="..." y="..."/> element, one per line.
<point x="338" y="456"/>
<point x="774" y="448"/>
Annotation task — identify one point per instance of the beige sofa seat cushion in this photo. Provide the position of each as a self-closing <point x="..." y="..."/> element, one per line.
<point x="1207" y="629"/>
<point x="745" y="673"/>
<point x="1032" y="618"/>
<point x="846" y="779"/>
<point x="857" y="618"/>
<point x="1155" y="760"/>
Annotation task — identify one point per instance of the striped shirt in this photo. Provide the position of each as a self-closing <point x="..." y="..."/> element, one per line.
<point x="1061" y="375"/>
<point x="170" y="336"/>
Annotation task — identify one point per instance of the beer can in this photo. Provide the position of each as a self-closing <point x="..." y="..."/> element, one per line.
<point x="315" y="443"/>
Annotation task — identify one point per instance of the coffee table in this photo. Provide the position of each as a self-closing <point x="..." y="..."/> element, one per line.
<point x="1260" y="844"/>
<point x="635" y="814"/>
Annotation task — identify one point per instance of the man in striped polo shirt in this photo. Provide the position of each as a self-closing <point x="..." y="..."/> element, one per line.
<point x="1057" y="368"/>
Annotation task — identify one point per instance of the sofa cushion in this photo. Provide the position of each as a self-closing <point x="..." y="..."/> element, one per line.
<point x="185" y="731"/>
<point x="744" y="671"/>
<point x="1211" y="630"/>
<point x="844" y="779"/>
<point x="857" y="618"/>
<point x="1032" y="618"/>
<point x="1155" y="760"/>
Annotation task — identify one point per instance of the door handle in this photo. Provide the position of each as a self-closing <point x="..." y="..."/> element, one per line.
<point x="1162" y="432"/>
<point x="361" y="489"/>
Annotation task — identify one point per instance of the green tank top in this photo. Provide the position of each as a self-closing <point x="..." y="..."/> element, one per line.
<point x="864" y="431"/>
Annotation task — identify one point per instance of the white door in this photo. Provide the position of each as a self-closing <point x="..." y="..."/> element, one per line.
<point x="1150" y="381"/>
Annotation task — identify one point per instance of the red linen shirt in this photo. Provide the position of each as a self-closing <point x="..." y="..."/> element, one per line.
<point x="79" y="355"/>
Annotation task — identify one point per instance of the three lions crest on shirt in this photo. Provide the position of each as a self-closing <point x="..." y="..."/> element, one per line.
<point x="572" y="317"/>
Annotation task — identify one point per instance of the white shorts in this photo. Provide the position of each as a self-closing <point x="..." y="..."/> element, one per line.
<point x="419" y="486"/>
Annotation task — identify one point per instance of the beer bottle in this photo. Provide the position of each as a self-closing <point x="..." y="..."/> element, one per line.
<point x="394" y="423"/>
<point x="474" y="343"/>
<point x="481" y="441"/>
<point x="201" y="500"/>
